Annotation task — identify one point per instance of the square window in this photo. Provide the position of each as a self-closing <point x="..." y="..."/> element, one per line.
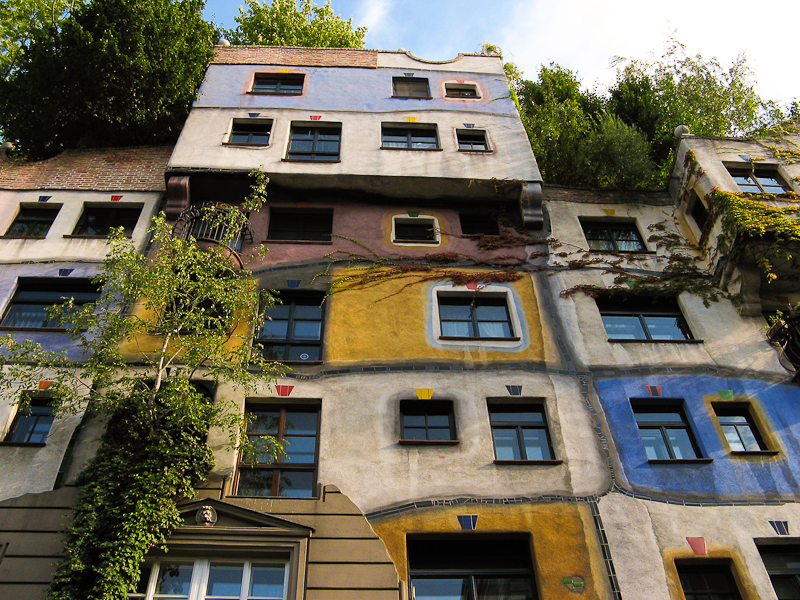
<point x="471" y="140"/>
<point x="29" y="306"/>
<point x="738" y="427"/>
<point x="33" y="221"/>
<point x="319" y="144"/>
<point x="410" y="87"/>
<point x="461" y="90"/>
<point x="97" y="220"/>
<point x="705" y="581"/>
<point x="476" y="316"/>
<point x="520" y="432"/>
<point x="664" y="430"/>
<point x="292" y="331"/>
<point x="758" y="180"/>
<point x="409" y="138"/>
<point x="427" y="421"/>
<point x="475" y="224"/>
<point x="278" y="84"/>
<point x="615" y="236"/>
<point x="32" y="424"/>
<point x="248" y="131"/>
<point x="656" y="319"/>
<point x="783" y="566"/>
<point x="308" y="225"/>
<point x="292" y="476"/>
<point x="415" y="230"/>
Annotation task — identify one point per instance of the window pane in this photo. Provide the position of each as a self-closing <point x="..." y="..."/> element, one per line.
<point x="532" y="416"/>
<point x="654" y="444"/>
<point x="457" y="329"/>
<point x="274" y="352"/>
<point x="308" y="312"/>
<point x="265" y="422"/>
<point x="536" y="444"/>
<point x="414" y="433"/>
<point x="304" y="353"/>
<point x="666" y="328"/>
<point x="395" y="141"/>
<point x="787" y="587"/>
<point x="296" y="484"/>
<point x="41" y="429"/>
<point x="174" y="579"/>
<point x="495" y="330"/>
<point x="414" y="420"/>
<point x="623" y="328"/>
<point x="274" y="330"/>
<point x="455" y="312"/>
<point x="301" y="422"/>
<point x="732" y="437"/>
<point x="438" y="434"/>
<point x="659" y="417"/>
<point x="748" y="438"/>
<point x="27" y="315"/>
<point x="681" y="443"/>
<point x="144" y="579"/>
<point x="225" y="580"/>
<point x="595" y="244"/>
<point x="254" y="483"/>
<point x="266" y="581"/>
<point x="503" y="588"/>
<point x="441" y="589"/>
<point x="438" y="421"/>
<point x="300" y="449"/>
<point x="491" y="313"/>
<point x="506" y="445"/>
<point x="307" y="330"/>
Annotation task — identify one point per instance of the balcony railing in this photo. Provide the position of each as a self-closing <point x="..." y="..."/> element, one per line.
<point x="195" y="222"/>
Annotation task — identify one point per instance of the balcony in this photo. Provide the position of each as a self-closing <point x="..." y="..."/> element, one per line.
<point x="200" y="222"/>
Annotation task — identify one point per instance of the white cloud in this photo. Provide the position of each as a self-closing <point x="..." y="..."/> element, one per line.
<point x="373" y="13"/>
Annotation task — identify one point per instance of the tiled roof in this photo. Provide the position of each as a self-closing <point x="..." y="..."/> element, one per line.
<point x="295" y="56"/>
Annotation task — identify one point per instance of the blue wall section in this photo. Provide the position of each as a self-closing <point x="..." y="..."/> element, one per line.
<point x="729" y="477"/>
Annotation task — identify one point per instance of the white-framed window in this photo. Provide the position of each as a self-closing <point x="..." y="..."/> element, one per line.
<point x="419" y="230"/>
<point x="462" y="90"/>
<point x="212" y="579"/>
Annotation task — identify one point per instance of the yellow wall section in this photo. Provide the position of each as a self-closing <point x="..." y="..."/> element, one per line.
<point x="563" y="538"/>
<point x="388" y="322"/>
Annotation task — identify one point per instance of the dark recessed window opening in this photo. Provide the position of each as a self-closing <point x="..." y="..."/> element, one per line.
<point x="708" y="581"/>
<point x="410" y="87"/>
<point x="698" y="211"/>
<point x="665" y="432"/>
<point x="300" y="224"/>
<point x="756" y="180"/>
<point x="34" y="222"/>
<point x="460" y="90"/>
<point x="31" y="302"/>
<point x="278" y="84"/>
<point x="250" y="132"/>
<point x="292" y="331"/>
<point x="97" y="220"/>
<point x="474" y="317"/>
<point x="520" y="432"/>
<point x="315" y="143"/>
<point x="473" y="224"/>
<point x="472" y="140"/>
<point x="409" y="138"/>
<point x="427" y="420"/>
<point x="618" y="236"/>
<point x="738" y="427"/>
<point x="783" y="566"/>
<point x="643" y="319"/>
<point x="32" y="424"/>
<point x="414" y="229"/>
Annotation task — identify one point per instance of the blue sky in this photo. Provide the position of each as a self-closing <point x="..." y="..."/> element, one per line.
<point x="582" y="35"/>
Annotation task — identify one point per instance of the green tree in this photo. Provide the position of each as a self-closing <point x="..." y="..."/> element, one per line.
<point x="284" y="23"/>
<point x="114" y="72"/>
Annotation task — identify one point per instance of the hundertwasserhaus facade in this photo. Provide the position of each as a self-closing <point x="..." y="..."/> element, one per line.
<point x="495" y="402"/>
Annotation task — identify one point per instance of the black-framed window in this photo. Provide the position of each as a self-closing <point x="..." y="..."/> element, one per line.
<point x="292" y="476"/>
<point x="31" y="302"/>
<point x="414" y="230"/>
<point x="409" y="138"/>
<point x="97" y="220"/>
<point x="314" y="143"/>
<point x="32" y="424"/>
<point x="708" y="582"/>
<point x="33" y="221"/>
<point x="653" y="319"/>
<point x="461" y="90"/>
<point x="410" y="87"/>
<point x="472" y="140"/>
<point x="615" y="236"/>
<point x="292" y="331"/>
<point x="476" y="567"/>
<point x="738" y="427"/>
<point x="478" y="223"/>
<point x="520" y="432"/>
<point x="302" y="224"/>
<point x="246" y="131"/>
<point x="783" y="566"/>
<point x="757" y="180"/>
<point x="475" y="316"/>
<point x="427" y="420"/>
<point x="664" y="430"/>
<point x="280" y="84"/>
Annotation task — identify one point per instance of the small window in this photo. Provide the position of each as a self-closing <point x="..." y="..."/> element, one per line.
<point x="32" y="424"/>
<point x="300" y="224"/>
<point x="278" y="84"/>
<point x="410" y="87"/>
<point x="783" y="566"/>
<point x="755" y="180"/>
<point x="476" y="316"/>
<point x="738" y="427"/>
<point x="656" y="319"/>
<point x="33" y="221"/>
<point x="708" y="581"/>
<point x="292" y="331"/>
<point x="293" y="476"/>
<point x="520" y="432"/>
<point x="698" y="210"/>
<point x="460" y="90"/>
<point x="615" y="236"/>
<point x="412" y="138"/>
<point x="415" y="230"/>
<point x="255" y="133"/>
<point x="475" y="224"/>
<point x="315" y="143"/>
<point x="29" y="308"/>
<point x="472" y="141"/>
<point x="427" y="421"/>
<point x="665" y="433"/>
<point x="97" y="220"/>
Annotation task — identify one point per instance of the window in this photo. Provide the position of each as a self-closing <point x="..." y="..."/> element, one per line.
<point x="472" y="140"/>
<point x="213" y="580"/>
<point x="410" y="87"/>
<point x="293" y="330"/>
<point x="664" y="430"/>
<point x="756" y="180"/>
<point x="657" y="319"/>
<point x="474" y="316"/>
<point x="477" y="567"/>
<point x="201" y="222"/>
<point x="251" y="132"/>
<point x="294" y="475"/>
<point x="460" y="90"/>
<point x="279" y="84"/>
<point x="708" y="582"/>
<point x="314" y="143"/>
<point x="619" y="236"/>
<point x="415" y="230"/>
<point x="32" y="424"/>
<point x="473" y="224"/>
<point x="411" y="138"/>
<point x="300" y="224"/>
<point x="738" y="428"/>
<point x="30" y="304"/>
<point x="783" y="565"/>
<point x="33" y="222"/>
<point x="698" y="211"/>
<point x="427" y="421"/>
<point x="520" y="432"/>
<point x="97" y="220"/>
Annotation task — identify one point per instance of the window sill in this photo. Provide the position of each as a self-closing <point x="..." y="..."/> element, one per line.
<point x="245" y="145"/>
<point x="24" y="444"/>
<point x="41" y="329"/>
<point x="275" y="497"/>
<point x="89" y="237"/>
<point x="22" y="237"/>
<point x="656" y="341"/>
<point x="680" y="461"/>
<point x="312" y="160"/>
<point x="406" y="242"/>
<point x="253" y="93"/>
<point x="413" y="149"/>
<point x="476" y="151"/>
<point x="626" y="252"/>
<point x="318" y="242"/>
<point x="428" y="442"/>
<point x="414" y="97"/>
<point x="744" y="453"/>
<point x="554" y="461"/>
<point x="479" y="339"/>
